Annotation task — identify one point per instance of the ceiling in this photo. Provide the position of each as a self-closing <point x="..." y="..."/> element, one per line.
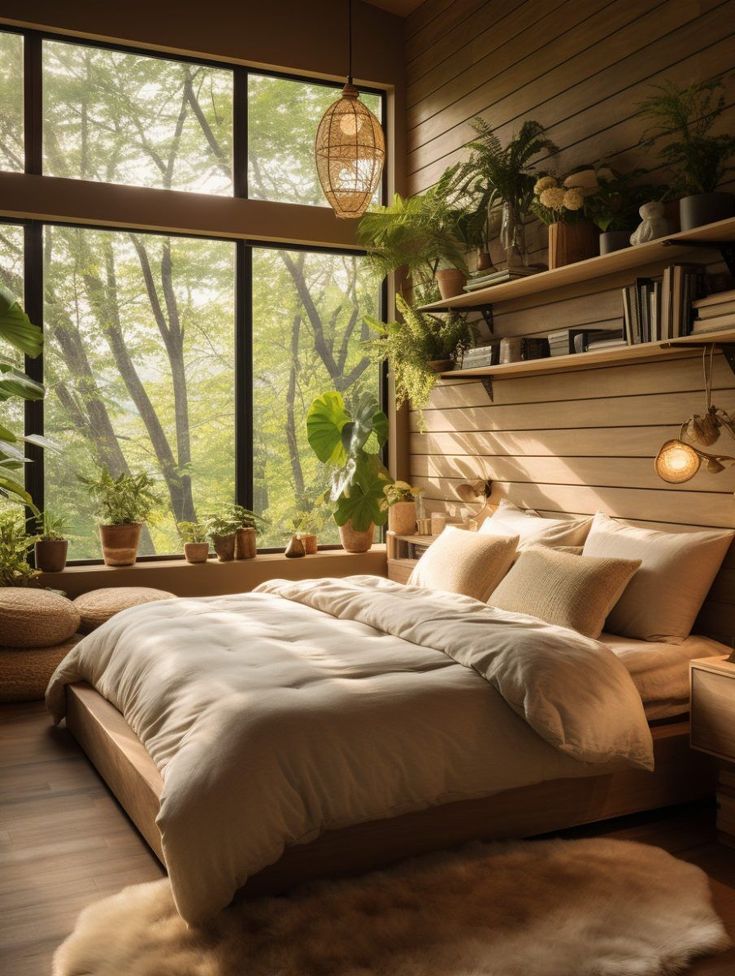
<point x="400" y="7"/>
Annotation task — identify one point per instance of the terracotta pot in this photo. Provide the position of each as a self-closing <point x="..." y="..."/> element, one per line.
<point x="705" y="208"/>
<point x="402" y="518"/>
<point x="120" y="543"/>
<point x="614" y="240"/>
<point x="354" y="541"/>
<point x="569" y="243"/>
<point x="311" y="543"/>
<point x="295" y="548"/>
<point x="224" y="546"/>
<point x="246" y="546"/>
<point x="51" y="555"/>
<point x="196" y="552"/>
<point x="451" y="282"/>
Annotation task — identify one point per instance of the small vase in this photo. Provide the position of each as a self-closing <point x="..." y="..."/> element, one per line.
<point x="513" y="236"/>
<point x="614" y="240"/>
<point x="705" y="208"/>
<point x="484" y="261"/>
<point x="451" y="282"/>
<point x="196" y="552"/>
<point x="569" y="243"/>
<point x="50" y="555"/>
<point x="120" y="543"/>
<point x="295" y="548"/>
<point x="245" y="543"/>
<point x="402" y="518"/>
<point x="224" y="546"/>
<point x="311" y="543"/>
<point x="354" y="541"/>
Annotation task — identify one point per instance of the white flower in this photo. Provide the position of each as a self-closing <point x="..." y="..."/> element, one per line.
<point x="545" y="183"/>
<point x="573" y="199"/>
<point x="553" y="198"/>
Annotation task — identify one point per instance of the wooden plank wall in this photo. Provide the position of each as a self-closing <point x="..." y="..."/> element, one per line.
<point x="579" y="441"/>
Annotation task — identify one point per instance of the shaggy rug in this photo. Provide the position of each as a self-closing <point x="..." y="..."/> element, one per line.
<point x="546" y="908"/>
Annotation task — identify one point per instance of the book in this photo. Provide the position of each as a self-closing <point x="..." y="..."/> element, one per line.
<point x="713" y="325"/>
<point x="712" y="311"/>
<point x="716" y="299"/>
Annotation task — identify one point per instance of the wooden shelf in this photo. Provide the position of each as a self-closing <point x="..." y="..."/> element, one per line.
<point x="627" y="259"/>
<point x="643" y="351"/>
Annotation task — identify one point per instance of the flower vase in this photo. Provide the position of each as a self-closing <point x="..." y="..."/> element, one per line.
<point x="513" y="236"/>
<point x="569" y="243"/>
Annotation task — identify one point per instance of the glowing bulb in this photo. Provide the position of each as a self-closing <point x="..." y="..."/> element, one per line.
<point x="677" y="462"/>
<point x="350" y="123"/>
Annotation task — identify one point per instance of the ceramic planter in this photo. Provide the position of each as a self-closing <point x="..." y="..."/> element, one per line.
<point x="295" y="548"/>
<point x="224" y="546"/>
<point x="196" y="552"/>
<point x="402" y="518"/>
<point x="451" y="282"/>
<point x="354" y="541"/>
<point x="311" y="543"/>
<point x="614" y="240"/>
<point x="569" y="243"/>
<point x="246" y="544"/>
<point x="120" y="543"/>
<point x="705" y="208"/>
<point x="51" y="555"/>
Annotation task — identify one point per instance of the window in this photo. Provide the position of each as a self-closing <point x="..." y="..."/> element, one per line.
<point x="308" y="324"/>
<point x="283" y="116"/>
<point x="12" y="152"/>
<point x="140" y="369"/>
<point x="127" y="118"/>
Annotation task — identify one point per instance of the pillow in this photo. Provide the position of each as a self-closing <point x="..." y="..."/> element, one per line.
<point x="533" y="530"/>
<point x="30" y="617"/>
<point x="677" y="570"/>
<point x="465" y="562"/>
<point x="563" y="589"/>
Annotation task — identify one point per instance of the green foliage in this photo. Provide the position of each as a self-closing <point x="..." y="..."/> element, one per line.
<point x="615" y="204"/>
<point x="409" y="346"/>
<point x="14" y="546"/>
<point x="349" y="438"/>
<point x="684" y="117"/>
<point x="123" y="500"/>
<point x="222" y="523"/>
<point x="246" y="519"/>
<point x="401" y="491"/>
<point x="192" y="531"/>
<point x="312" y="520"/>
<point x="51" y="527"/>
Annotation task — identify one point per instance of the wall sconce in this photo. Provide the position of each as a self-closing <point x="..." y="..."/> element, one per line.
<point x="478" y="490"/>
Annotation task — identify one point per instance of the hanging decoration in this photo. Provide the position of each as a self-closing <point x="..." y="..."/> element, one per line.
<point x="350" y="148"/>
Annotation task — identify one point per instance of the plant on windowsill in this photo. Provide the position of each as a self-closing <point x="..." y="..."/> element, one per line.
<point x="401" y="498"/>
<point x="246" y="533"/>
<point x="309" y="523"/>
<point x="124" y="503"/>
<point x="349" y="438"/>
<point x="221" y="530"/>
<point x="15" y="544"/>
<point x="697" y="159"/>
<point x="196" y="544"/>
<point x="52" y="546"/>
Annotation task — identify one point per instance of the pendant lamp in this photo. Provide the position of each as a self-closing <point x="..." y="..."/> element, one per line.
<point x="350" y="148"/>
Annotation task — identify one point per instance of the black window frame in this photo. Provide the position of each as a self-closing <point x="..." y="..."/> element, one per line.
<point x="33" y="272"/>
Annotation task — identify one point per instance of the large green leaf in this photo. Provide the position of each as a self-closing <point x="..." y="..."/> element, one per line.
<point x="13" y="383"/>
<point x="325" y="421"/>
<point x="15" y="326"/>
<point x="15" y="491"/>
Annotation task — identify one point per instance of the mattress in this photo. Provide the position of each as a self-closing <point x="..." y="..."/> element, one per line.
<point x="660" y="671"/>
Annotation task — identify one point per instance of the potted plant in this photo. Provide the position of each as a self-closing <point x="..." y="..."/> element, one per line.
<point x="497" y="174"/>
<point x="196" y="544"/>
<point x="418" y="348"/>
<point x="123" y="503"/>
<point x="308" y="524"/>
<point x="51" y="545"/>
<point x="696" y="158"/>
<point x="614" y="205"/>
<point x="221" y="530"/>
<point x="401" y="498"/>
<point x="15" y="543"/>
<point x="561" y="208"/>
<point x="246" y="532"/>
<point x="349" y="439"/>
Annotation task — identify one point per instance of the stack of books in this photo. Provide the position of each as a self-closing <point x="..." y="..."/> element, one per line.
<point x="714" y="312"/>
<point x="484" y="279"/>
<point x="658" y="309"/>
<point x="487" y="355"/>
<point x="565" y="342"/>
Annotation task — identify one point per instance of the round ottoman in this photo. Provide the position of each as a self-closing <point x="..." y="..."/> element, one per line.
<point x="97" y="606"/>
<point x="31" y="617"/>
<point x="25" y="671"/>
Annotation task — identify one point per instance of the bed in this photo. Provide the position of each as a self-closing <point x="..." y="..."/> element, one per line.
<point x="433" y="738"/>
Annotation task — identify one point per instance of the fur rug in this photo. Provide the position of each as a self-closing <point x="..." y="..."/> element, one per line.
<point x="546" y="908"/>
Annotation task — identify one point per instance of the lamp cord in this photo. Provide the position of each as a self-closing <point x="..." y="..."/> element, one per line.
<point x="349" y="42"/>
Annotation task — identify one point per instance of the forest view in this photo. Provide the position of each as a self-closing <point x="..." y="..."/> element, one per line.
<point x="139" y="359"/>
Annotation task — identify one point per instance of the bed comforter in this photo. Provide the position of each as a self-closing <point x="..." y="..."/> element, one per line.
<point x="306" y="706"/>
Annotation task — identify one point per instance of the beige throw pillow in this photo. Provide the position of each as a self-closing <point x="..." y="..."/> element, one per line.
<point x="677" y="570"/>
<point x="533" y="529"/>
<point x="465" y="562"/>
<point x="564" y="589"/>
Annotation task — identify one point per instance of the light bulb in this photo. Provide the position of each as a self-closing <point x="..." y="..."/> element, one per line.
<point x="350" y="123"/>
<point x="677" y="462"/>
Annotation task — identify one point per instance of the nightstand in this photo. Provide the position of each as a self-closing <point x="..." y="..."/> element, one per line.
<point x="712" y="730"/>
<point x="403" y="552"/>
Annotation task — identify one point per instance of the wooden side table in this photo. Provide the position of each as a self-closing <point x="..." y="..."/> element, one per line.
<point x="403" y="552"/>
<point x="712" y="730"/>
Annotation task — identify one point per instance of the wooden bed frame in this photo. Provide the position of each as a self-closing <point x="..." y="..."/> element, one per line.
<point x="681" y="775"/>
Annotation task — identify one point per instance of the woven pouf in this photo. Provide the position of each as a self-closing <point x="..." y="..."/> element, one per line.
<point x="31" y="617"/>
<point x="25" y="671"/>
<point x="97" y="606"/>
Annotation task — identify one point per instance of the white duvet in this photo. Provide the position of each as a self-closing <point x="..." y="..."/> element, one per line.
<point x="276" y="715"/>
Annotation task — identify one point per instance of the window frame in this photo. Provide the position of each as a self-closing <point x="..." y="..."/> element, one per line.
<point x="243" y="325"/>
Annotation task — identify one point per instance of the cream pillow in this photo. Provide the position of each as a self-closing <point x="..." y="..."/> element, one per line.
<point x="677" y="570"/>
<point x="465" y="562"/>
<point x="564" y="589"/>
<point x="533" y="530"/>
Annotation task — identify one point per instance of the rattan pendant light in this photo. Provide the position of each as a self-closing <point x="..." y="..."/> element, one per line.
<point x="350" y="148"/>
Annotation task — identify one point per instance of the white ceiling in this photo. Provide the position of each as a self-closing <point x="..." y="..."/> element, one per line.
<point x="400" y="7"/>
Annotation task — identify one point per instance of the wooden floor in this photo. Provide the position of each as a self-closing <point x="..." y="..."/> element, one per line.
<point x="64" y="843"/>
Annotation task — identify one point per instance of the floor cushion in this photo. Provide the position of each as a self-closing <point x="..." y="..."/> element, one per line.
<point x="97" y="606"/>
<point x="32" y="617"/>
<point x="25" y="671"/>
